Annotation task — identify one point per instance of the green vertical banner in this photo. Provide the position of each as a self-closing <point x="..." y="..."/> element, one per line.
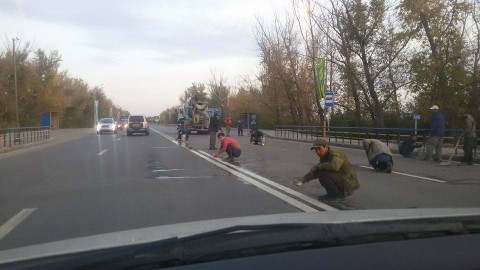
<point x="321" y="76"/>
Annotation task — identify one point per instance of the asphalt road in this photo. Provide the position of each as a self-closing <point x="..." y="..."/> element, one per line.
<point x="95" y="184"/>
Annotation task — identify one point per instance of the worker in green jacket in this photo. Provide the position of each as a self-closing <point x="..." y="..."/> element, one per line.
<point x="335" y="172"/>
<point x="469" y="136"/>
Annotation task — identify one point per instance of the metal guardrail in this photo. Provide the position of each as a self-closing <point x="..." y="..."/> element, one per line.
<point x="11" y="137"/>
<point x="355" y="135"/>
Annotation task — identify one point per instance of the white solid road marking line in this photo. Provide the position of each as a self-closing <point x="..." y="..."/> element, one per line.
<point x="168" y="170"/>
<point x="281" y="187"/>
<point x="411" y="175"/>
<point x="162" y="147"/>
<point x="14" y="221"/>
<point x="178" y="177"/>
<point x="102" y="152"/>
<point x="266" y="188"/>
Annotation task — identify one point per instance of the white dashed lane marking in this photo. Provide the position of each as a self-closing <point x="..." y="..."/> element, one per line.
<point x="8" y="226"/>
<point x="102" y="152"/>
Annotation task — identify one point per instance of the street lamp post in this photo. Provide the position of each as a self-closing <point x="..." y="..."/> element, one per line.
<point x="15" y="81"/>
<point x="95" y="106"/>
<point x="16" y="134"/>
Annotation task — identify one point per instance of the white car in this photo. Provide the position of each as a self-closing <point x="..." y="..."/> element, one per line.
<point x="106" y="125"/>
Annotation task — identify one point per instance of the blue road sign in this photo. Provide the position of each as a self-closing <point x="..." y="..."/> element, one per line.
<point x="211" y="111"/>
<point x="328" y="99"/>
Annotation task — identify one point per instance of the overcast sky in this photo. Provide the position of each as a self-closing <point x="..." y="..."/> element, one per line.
<point x="144" y="53"/>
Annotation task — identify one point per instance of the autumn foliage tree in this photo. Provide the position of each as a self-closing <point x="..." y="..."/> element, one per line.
<point x="42" y="87"/>
<point x="386" y="60"/>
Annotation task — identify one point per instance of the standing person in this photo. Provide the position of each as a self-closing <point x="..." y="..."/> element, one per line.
<point x="240" y="127"/>
<point x="469" y="136"/>
<point x="406" y="147"/>
<point x="435" y="135"/>
<point x="182" y="127"/>
<point x="228" y="145"/>
<point x="228" y="125"/>
<point x="335" y="172"/>
<point x="213" y="128"/>
<point x="379" y="155"/>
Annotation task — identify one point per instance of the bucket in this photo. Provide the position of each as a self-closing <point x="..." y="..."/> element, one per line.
<point x="264" y="141"/>
<point x="184" y="137"/>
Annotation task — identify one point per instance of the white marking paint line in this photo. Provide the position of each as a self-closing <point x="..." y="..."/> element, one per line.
<point x="102" y="152"/>
<point x="8" y="226"/>
<point x="281" y="187"/>
<point x="170" y="170"/>
<point x="410" y="175"/>
<point x="118" y="139"/>
<point x="177" y="177"/>
<point x="264" y="187"/>
<point x="163" y="147"/>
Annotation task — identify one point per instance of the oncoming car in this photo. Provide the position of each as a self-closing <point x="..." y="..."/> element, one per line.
<point x="122" y="122"/>
<point x="106" y="125"/>
<point x="137" y="124"/>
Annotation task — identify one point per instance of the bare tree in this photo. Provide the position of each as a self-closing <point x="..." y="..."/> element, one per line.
<point x="219" y="92"/>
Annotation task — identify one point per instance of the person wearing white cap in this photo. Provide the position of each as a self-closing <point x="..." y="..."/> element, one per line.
<point x="435" y="134"/>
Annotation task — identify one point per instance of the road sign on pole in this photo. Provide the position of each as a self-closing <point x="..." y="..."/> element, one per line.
<point x="328" y="99"/>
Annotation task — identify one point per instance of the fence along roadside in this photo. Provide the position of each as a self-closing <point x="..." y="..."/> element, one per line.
<point x="11" y="138"/>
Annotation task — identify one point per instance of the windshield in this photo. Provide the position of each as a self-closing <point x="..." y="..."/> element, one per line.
<point x="232" y="109"/>
<point x="136" y="118"/>
<point x="106" y="121"/>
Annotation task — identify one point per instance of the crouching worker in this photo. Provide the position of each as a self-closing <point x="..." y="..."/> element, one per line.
<point x="228" y="145"/>
<point x="335" y="172"/>
<point x="256" y="136"/>
<point x="379" y="155"/>
<point x="406" y="147"/>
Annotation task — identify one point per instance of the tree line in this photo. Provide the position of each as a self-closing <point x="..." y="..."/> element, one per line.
<point x="386" y="60"/>
<point x="42" y="88"/>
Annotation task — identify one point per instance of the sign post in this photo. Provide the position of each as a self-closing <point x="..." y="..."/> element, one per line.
<point x="416" y="117"/>
<point x="328" y="106"/>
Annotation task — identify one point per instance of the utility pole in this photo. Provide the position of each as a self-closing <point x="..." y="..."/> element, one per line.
<point x="16" y="134"/>
<point x="15" y="82"/>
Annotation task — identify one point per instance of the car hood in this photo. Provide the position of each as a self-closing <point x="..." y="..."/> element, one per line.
<point x="158" y="233"/>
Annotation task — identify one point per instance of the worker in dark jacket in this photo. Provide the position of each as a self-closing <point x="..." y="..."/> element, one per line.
<point x="213" y="128"/>
<point x="406" y="147"/>
<point x="182" y="127"/>
<point x="240" y="127"/>
<point x="435" y="134"/>
<point x="335" y="172"/>
<point x="256" y="136"/>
